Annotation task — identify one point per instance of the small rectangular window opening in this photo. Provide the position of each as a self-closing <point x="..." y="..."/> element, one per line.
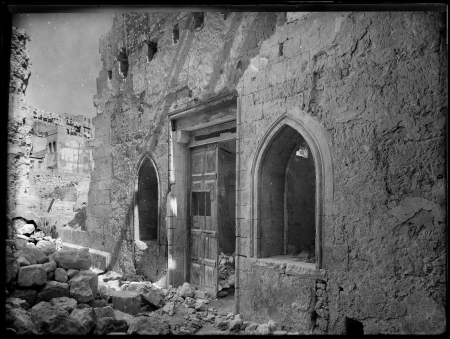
<point x="199" y="18"/>
<point x="109" y="75"/>
<point x="175" y="34"/>
<point x="152" y="49"/>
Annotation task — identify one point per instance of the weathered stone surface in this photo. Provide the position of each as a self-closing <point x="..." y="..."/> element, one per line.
<point x="12" y="269"/>
<point x="152" y="298"/>
<point x="185" y="290"/>
<point x="26" y="229"/>
<point x="199" y="294"/>
<point x="53" y="289"/>
<point x="201" y="305"/>
<point x="123" y="316"/>
<point x="235" y="324"/>
<point x="16" y="303"/>
<point x="80" y="288"/>
<point x="53" y="320"/>
<point x="32" y="275"/>
<point x="49" y="266"/>
<point x="264" y="329"/>
<point x="23" y="262"/>
<point x="20" y="320"/>
<point x="98" y="303"/>
<point x="148" y="326"/>
<point x="108" y="325"/>
<point x="85" y="316"/>
<point x="10" y="242"/>
<point x="93" y="280"/>
<point x="71" y="272"/>
<point x="61" y="275"/>
<point x="78" y="259"/>
<point x="65" y="303"/>
<point x="101" y="312"/>
<point x="34" y="255"/>
<point x="28" y="295"/>
<point x="128" y="302"/>
<point x="169" y="308"/>
<point x="110" y="275"/>
<point x="47" y="247"/>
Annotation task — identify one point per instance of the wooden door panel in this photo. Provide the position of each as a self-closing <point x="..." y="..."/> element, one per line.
<point x="210" y="162"/>
<point x="196" y="273"/>
<point x="210" y="277"/>
<point x="197" y="245"/>
<point x="204" y="243"/>
<point x="210" y="246"/>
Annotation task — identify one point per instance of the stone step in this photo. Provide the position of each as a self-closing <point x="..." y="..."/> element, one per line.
<point x="100" y="259"/>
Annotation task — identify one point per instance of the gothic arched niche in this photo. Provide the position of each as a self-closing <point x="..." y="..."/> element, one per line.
<point x="147" y="201"/>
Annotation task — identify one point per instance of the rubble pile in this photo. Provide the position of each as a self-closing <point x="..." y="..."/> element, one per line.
<point x="226" y="274"/>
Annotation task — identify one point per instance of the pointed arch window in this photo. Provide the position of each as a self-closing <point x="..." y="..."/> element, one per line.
<point x="147" y="202"/>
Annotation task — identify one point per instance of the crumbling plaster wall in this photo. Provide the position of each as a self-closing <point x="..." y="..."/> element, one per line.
<point x="132" y="118"/>
<point x="376" y="84"/>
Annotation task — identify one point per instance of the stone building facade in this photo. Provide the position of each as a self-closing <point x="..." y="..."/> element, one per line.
<point x="311" y="144"/>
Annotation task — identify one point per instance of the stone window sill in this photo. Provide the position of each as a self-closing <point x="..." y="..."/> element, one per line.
<point x="288" y="265"/>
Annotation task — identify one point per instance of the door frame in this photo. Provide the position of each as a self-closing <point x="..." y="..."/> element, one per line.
<point x="183" y="125"/>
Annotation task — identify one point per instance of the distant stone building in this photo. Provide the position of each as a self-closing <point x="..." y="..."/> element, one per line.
<point x="49" y="154"/>
<point x="310" y="144"/>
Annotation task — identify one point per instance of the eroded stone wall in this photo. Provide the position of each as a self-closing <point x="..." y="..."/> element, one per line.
<point x="131" y="119"/>
<point x="367" y="87"/>
<point x="376" y="84"/>
<point x="19" y="127"/>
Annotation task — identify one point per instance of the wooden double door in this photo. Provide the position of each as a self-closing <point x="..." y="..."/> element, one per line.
<point x="206" y="203"/>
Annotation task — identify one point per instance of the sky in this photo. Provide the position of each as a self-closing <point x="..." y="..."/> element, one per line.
<point x="64" y="53"/>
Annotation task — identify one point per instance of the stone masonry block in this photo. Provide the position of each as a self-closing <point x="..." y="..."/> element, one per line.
<point x="128" y="302"/>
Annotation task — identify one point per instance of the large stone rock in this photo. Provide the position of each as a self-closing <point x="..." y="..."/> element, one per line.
<point x="152" y="298"/>
<point x="28" y="295"/>
<point x="108" y="325"/>
<point x="85" y="316"/>
<point x="103" y="312"/>
<point x="53" y="289"/>
<point x="20" y="320"/>
<point x="185" y="290"/>
<point x="34" y="255"/>
<point x="49" y="266"/>
<point x="47" y="247"/>
<point x="148" y="326"/>
<point x="33" y="275"/>
<point x="123" y="316"/>
<point x="23" y="262"/>
<point x="80" y="289"/>
<point x="71" y="273"/>
<point x="128" y="302"/>
<point x="16" y="303"/>
<point x="12" y="268"/>
<point x="67" y="304"/>
<point x="53" y="320"/>
<point x="93" y="280"/>
<point x="26" y="229"/>
<point x="61" y="275"/>
<point x="169" y="308"/>
<point x="78" y="259"/>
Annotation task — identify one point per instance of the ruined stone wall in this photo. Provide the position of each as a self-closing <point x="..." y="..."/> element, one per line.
<point x="132" y="119"/>
<point x="375" y="83"/>
<point x="44" y="182"/>
<point x="19" y="126"/>
<point x="367" y="87"/>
